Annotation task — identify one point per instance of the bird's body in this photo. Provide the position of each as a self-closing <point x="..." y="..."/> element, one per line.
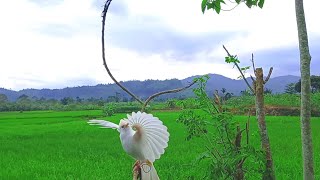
<point x="143" y="137"/>
<point x="130" y="146"/>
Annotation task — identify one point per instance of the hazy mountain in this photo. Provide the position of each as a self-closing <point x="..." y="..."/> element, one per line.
<point x="145" y="88"/>
<point x="216" y="81"/>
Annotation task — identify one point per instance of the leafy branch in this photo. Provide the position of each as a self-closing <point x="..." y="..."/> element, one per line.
<point x="235" y="60"/>
<point x="215" y="5"/>
<point x="224" y="148"/>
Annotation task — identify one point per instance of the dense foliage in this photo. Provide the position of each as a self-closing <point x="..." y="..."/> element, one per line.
<point x="225" y="152"/>
<point x="238" y="104"/>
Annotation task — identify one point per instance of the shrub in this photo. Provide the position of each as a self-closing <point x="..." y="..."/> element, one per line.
<point x="108" y="109"/>
<point x="226" y="152"/>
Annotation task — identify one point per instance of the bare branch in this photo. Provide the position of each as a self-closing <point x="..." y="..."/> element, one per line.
<point x="248" y="127"/>
<point x="165" y="92"/>
<point x="254" y="68"/>
<point x="217" y="101"/>
<point x="268" y="77"/>
<point x="252" y="78"/>
<point x="104" y="13"/>
<point x="236" y="64"/>
<point x="144" y="104"/>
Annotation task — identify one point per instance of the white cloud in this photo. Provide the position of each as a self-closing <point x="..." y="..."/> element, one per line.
<point x="33" y="57"/>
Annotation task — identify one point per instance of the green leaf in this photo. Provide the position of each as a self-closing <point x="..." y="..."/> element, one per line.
<point x="203" y="5"/>
<point x="232" y="59"/>
<point x="217" y="6"/>
<point x="210" y="6"/>
<point x="222" y="1"/>
<point x="261" y="3"/>
<point x="254" y="2"/>
<point x="238" y="1"/>
<point x="245" y="68"/>
<point x="249" y="3"/>
<point x="227" y="59"/>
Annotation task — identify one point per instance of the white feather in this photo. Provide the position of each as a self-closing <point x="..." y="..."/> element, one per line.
<point x="155" y="136"/>
<point x="104" y="124"/>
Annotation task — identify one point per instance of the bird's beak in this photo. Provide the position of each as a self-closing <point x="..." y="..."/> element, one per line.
<point x="124" y="124"/>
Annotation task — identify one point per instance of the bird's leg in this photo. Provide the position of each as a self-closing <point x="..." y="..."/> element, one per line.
<point x="137" y="163"/>
<point x="149" y="163"/>
<point x="136" y="170"/>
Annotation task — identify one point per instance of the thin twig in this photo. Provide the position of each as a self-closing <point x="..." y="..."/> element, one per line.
<point x="228" y="136"/>
<point x="252" y="78"/>
<point x="211" y="144"/>
<point x="104" y="12"/>
<point x="268" y="77"/>
<point x="232" y="1"/>
<point x="248" y="127"/>
<point x="244" y="78"/>
<point x="165" y="92"/>
<point x="230" y="9"/>
<point x="254" y="68"/>
<point x="217" y="100"/>
<point x="241" y="162"/>
<point x="212" y="104"/>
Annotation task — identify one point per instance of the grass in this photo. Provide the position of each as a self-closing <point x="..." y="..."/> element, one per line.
<point x="60" y="145"/>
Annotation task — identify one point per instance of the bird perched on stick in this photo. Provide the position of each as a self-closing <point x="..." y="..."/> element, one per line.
<point x="144" y="137"/>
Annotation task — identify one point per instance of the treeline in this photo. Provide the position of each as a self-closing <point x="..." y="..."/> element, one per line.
<point x="291" y="98"/>
<point x="26" y="103"/>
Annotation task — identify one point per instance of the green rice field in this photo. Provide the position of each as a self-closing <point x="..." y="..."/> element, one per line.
<point x="61" y="145"/>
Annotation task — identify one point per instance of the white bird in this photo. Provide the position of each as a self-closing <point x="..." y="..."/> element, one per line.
<point x="144" y="137"/>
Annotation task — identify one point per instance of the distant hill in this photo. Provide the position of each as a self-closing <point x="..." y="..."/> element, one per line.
<point x="216" y="81"/>
<point x="145" y="88"/>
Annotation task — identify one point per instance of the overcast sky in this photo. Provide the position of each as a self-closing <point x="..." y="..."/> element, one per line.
<point x="57" y="43"/>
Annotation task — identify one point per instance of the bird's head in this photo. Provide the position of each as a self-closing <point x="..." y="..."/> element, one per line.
<point x="123" y="124"/>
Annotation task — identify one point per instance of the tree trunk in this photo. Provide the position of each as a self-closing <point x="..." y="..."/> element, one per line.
<point x="305" y="58"/>
<point x="260" y="113"/>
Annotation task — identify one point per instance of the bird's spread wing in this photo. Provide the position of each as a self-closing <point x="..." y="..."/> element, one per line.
<point x="150" y="133"/>
<point x="104" y="124"/>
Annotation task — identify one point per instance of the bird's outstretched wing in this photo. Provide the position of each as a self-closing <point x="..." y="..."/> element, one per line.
<point x="150" y="133"/>
<point x="104" y="124"/>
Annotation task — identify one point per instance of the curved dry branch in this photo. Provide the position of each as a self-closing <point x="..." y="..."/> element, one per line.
<point x="104" y="13"/>
<point x="244" y="78"/>
<point x="165" y="92"/>
<point x="144" y="104"/>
